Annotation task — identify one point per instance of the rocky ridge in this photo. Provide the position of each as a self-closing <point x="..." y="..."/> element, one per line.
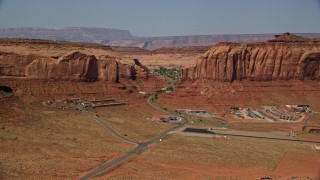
<point x="286" y="57"/>
<point x="117" y="37"/>
<point x="75" y="34"/>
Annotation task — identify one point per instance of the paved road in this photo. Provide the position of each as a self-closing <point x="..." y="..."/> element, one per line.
<point x="139" y="148"/>
<point x="270" y="138"/>
<point x="132" y="152"/>
<point x="307" y="120"/>
<point x="243" y="134"/>
<point x="107" y="127"/>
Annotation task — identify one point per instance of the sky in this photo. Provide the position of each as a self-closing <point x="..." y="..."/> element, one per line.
<point x="167" y="17"/>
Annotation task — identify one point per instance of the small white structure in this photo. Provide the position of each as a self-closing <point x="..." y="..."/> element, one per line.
<point x="141" y="92"/>
<point x="300" y="107"/>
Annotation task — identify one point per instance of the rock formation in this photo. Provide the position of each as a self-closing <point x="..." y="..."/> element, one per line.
<point x="73" y="66"/>
<point x="142" y="71"/>
<point x="108" y="69"/>
<point x="132" y="69"/>
<point x="117" y="37"/>
<point x="12" y="64"/>
<point x="284" y="58"/>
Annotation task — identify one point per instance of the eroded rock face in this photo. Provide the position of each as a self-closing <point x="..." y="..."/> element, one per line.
<point x="108" y="69"/>
<point x="73" y="66"/>
<point x="141" y="70"/>
<point x="77" y="66"/>
<point x="127" y="71"/>
<point x="12" y="64"/>
<point x="132" y="69"/>
<point x="285" y="58"/>
<point x="68" y="61"/>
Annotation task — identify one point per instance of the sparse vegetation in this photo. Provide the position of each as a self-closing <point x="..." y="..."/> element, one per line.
<point x="134" y="123"/>
<point x="140" y="83"/>
<point x="235" y="108"/>
<point x="134" y="87"/>
<point x="209" y="157"/>
<point x="6" y="89"/>
<point x="55" y="136"/>
<point x="172" y="73"/>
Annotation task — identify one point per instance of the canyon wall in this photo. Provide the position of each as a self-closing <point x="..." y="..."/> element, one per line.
<point x="73" y="66"/>
<point x="12" y="64"/>
<point x="284" y="58"/>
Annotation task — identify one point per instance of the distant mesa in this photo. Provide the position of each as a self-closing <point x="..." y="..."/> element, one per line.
<point x="288" y="37"/>
<point x="76" y="34"/>
<point x="123" y="38"/>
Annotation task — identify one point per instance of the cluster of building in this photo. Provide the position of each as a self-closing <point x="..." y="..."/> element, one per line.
<point x="78" y="103"/>
<point x="101" y="103"/>
<point x="268" y="113"/>
<point x="300" y="107"/>
<point x="280" y="114"/>
<point x="168" y="119"/>
<point x="314" y="130"/>
<point x="199" y="112"/>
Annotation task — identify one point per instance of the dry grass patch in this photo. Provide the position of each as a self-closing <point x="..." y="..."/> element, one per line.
<point x="182" y="157"/>
<point x="134" y="120"/>
<point x="315" y="120"/>
<point x="55" y="145"/>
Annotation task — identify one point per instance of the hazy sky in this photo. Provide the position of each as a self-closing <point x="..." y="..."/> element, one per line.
<point x="167" y="17"/>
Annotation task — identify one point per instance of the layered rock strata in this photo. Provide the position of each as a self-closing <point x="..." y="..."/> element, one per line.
<point x="73" y="66"/>
<point x="284" y="58"/>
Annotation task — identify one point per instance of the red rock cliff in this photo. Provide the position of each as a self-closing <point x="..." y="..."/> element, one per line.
<point x="74" y="66"/>
<point x="58" y="60"/>
<point x="287" y="57"/>
<point x="12" y="64"/>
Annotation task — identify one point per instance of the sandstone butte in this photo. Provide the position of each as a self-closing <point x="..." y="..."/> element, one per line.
<point x="76" y="66"/>
<point x="72" y="66"/>
<point x="287" y="57"/>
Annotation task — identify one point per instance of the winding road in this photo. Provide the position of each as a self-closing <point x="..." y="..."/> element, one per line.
<point x="140" y="146"/>
<point x="135" y="150"/>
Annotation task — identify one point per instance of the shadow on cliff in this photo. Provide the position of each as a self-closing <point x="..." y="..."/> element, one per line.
<point x="145" y="69"/>
<point x="310" y="66"/>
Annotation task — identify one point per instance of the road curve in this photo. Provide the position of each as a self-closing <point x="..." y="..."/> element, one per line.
<point x="107" y="127"/>
<point x="139" y="148"/>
